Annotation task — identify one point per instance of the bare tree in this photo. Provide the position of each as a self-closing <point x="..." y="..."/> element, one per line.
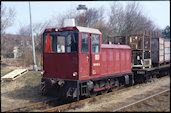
<point x="104" y="29"/>
<point x="38" y="28"/>
<point x="57" y="20"/>
<point x="116" y="18"/>
<point x="92" y="16"/>
<point x="129" y="20"/>
<point x="7" y="17"/>
<point x="135" y="21"/>
<point x="6" y="47"/>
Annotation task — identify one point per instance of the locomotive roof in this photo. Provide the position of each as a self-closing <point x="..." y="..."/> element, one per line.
<point x="118" y="46"/>
<point x="88" y="30"/>
<point x="79" y="28"/>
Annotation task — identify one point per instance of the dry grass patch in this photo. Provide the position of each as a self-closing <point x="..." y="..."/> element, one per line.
<point x="6" y="69"/>
<point x="22" y="91"/>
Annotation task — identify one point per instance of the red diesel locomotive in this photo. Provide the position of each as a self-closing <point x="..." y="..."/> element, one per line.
<point x="76" y="63"/>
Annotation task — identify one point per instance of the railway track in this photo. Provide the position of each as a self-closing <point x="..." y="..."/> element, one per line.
<point x="56" y="105"/>
<point x="30" y="107"/>
<point x="83" y="102"/>
<point x="88" y="100"/>
<point x="141" y="101"/>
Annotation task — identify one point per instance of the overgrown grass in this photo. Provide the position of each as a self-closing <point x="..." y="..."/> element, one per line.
<point x="28" y="59"/>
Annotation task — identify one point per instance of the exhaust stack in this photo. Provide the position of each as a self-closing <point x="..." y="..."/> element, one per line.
<point x="69" y="22"/>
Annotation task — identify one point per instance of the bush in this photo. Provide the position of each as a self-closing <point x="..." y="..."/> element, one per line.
<point x="28" y="58"/>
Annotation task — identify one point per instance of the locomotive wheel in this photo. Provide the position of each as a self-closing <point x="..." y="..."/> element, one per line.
<point x="154" y="76"/>
<point x="116" y="84"/>
<point x="93" y="94"/>
<point x="150" y="78"/>
<point x="43" y="89"/>
<point x="106" y="86"/>
<point x="104" y="91"/>
<point x="145" y="79"/>
<point x="45" y="86"/>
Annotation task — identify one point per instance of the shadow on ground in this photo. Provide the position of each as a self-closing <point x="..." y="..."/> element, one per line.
<point x="32" y="94"/>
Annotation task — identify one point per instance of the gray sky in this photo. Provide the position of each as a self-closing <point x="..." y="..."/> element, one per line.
<point x="157" y="11"/>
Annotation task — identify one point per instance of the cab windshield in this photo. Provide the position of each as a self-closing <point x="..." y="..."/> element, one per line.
<point x="60" y="42"/>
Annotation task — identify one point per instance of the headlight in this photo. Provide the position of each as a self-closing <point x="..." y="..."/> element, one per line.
<point x="56" y="29"/>
<point x="42" y="72"/>
<point x="74" y="74"/>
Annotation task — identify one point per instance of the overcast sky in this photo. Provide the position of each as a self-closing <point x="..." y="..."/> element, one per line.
<point x="157" y="11"/>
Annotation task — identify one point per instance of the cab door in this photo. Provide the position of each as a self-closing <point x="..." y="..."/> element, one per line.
<point x="84" y="56"/>
<point x="95" y="54"/>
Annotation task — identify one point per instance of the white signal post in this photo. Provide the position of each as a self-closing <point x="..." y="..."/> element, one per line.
<point x="33" y="44"/>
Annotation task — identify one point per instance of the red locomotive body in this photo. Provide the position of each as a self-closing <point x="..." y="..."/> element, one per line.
<point x="116" y="59"/>
<point x="77" y="63"/>
<point x="60" y="65"/>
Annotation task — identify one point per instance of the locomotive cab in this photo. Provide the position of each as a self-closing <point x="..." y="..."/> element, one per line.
<point x="60" y="54"/>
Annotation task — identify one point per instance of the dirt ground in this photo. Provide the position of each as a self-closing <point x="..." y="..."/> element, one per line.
<point x="156" y="104"/>
<point x="117" y="100"/>
<point x="22" y="91"/>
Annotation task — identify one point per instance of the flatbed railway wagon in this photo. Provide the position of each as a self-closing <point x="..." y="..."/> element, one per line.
<point x="76" y="63"/>
<point x="150" y="55"/>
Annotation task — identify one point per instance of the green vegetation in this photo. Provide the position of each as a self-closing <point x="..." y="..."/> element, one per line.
<point x="166" y="32"/>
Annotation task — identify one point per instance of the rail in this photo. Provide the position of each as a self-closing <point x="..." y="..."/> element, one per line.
<point x="141" y="100"/>
<point x="31" y="106"/>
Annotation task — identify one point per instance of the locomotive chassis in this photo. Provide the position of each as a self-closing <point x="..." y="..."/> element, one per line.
<point x="86" y="88"/>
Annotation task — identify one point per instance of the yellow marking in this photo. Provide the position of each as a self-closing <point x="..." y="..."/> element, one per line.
<point x="94" y="71"/>
<point x="97" y="57"/>
<point x="1" y="57"/>
<point x="96" y="64"/>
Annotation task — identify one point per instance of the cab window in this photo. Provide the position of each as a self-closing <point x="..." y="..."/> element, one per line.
<point x="95" y="44"/>
<point x="84" y="43"/>
<point x="61" y="42"/>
